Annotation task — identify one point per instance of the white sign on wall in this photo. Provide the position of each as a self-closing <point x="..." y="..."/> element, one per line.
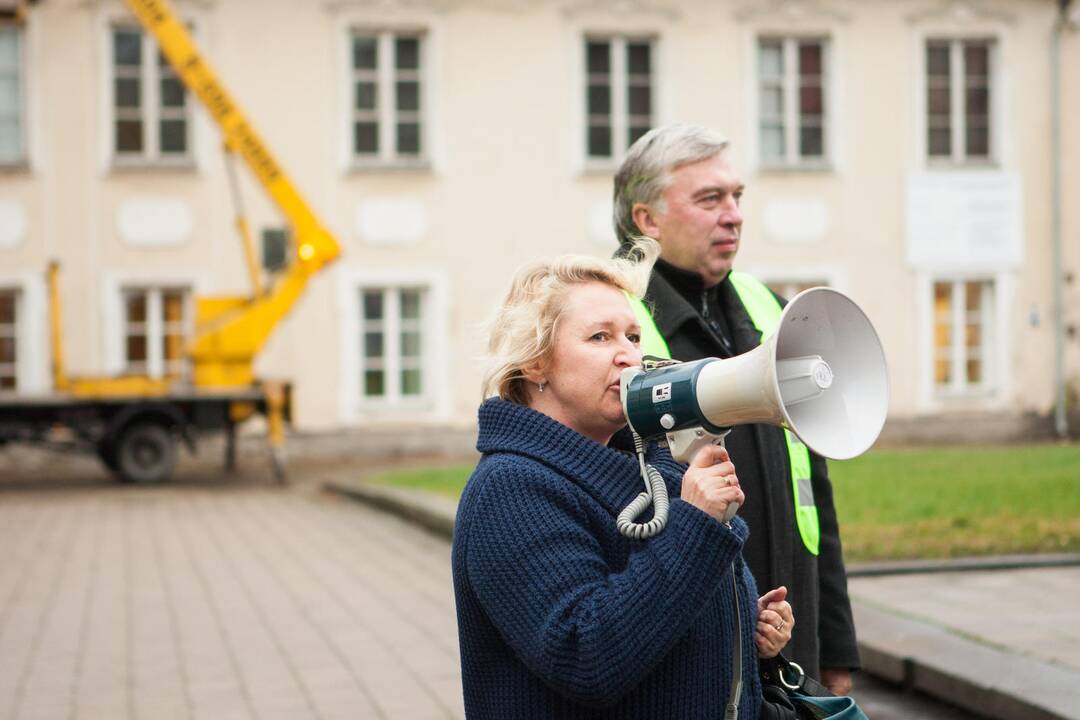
<point x="967" y="219"/>
<point x="152" y="222"/>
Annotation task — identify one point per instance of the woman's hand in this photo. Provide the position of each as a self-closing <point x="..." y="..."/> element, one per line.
<point x="774" y="623"/>
<point x="710" y="484"/>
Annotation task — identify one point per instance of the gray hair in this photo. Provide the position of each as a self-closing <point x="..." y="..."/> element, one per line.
<point x="646" y="171"/>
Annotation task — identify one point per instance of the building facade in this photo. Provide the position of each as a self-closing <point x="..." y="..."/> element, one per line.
<point x="898" y="150"/>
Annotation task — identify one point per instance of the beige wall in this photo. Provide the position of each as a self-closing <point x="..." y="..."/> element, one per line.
<point x="507" y="183"/>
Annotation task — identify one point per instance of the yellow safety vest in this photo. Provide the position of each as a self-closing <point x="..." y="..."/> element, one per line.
<point x="764" y="310"/>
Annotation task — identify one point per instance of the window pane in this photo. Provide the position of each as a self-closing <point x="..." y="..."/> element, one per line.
<point x="598" y="57"/>
<point x="410" y="344"/>
<point x="128" y="92"/>
<point x="373" y="305"/>
<point x="635" y="132"/>
<point x="973" y="296"/>
<point x="407" y="53"/>
<point x="373" y="383"/>
<point x="275" y="244"/>
<point x="127" y="47"/>
<point x="410" y="382"/>
<point x="365" y="138"/>
<point x="939" y="141"/>
<point x="772" y="142"/>
<point x="637" y="58"/>
<point x="172" y="307"/>
<point x="174" y="349"/>
<point x="408" y="138"/>
<point x="136" y="348"/>
<point x="937" y="59"/>
<point x="9" y="47"/>
<point x="974" y="372"/>
<point x="365" y="95"/>
<point x="772" y="101"/>
<point x="135" y="304"/>
<point x="640" y="100"/>
<point x="973" y="337"/>
<point x="978" y="142"/>
<point x="173" y="136"/>
<point x="9" y="96"/>
<point x="599" y="100"/>
<point x="373" y="344"/>
<point x="129" y="136"/>
<point x="976" y="59"/>
<point x="770" y="60"/>
<point x="10" y="141"/>
<point x="977" y="102"/>
<point x="365" y="52"/>
<point x="937" y="101"/>
<point x="172" y="92"/>
<point x="408" y="95"/>
<point x="7" y="350"/>
<point x="810" y="101"/>
<point x="599" y="141"/>
<point x="410" y="304"/>
<point x="811" y="141"/>
<point x="810" y="59"/>
<point x="7" y="308"/>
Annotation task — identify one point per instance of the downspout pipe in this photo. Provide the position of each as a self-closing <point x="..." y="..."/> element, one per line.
<point x="1061" y="419"/>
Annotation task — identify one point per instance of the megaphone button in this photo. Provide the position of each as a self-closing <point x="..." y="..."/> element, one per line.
<point x="667" y="421"/>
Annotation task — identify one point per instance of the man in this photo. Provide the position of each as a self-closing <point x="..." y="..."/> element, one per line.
<point x="679" y="186"/>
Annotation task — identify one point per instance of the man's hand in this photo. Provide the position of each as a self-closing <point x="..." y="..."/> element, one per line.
<point x="838" y="680"/>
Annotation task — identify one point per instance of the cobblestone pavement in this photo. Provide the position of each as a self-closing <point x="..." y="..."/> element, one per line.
<point x="220" y="602"/>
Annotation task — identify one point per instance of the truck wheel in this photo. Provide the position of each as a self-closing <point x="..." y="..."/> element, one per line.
<point x="146" y="453"/>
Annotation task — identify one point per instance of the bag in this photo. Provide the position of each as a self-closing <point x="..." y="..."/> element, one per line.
<point x="787" y="688"/>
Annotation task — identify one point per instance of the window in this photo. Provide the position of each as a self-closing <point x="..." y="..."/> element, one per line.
<point x="275" y="249"/>
<point x="11" y="97"/>
<point x="788" y="289"/>
<point x="392" y="322"/>
<point x="963" y="313"/>
<point x="618" y="95"/>
<point x="387" y="111"/>
<point x="792" y="100"/>
<point x="958" y="96"/>
<point x="156" y="331"/>
<point x="151" y="120"/>
<point x="8" y="339"/>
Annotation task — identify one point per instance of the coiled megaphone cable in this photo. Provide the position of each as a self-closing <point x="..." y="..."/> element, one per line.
<point x="655" y="494"/>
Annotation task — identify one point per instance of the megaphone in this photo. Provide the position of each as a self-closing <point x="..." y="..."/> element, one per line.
<point x="821" y="374"/>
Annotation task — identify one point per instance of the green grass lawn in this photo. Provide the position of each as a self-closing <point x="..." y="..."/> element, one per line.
<point x="925" y="502"/>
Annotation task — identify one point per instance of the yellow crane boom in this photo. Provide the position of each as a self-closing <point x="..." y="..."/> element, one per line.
<point x="230" y="330"/>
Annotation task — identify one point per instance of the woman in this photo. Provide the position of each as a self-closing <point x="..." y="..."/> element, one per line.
<point x="559" y="615"/>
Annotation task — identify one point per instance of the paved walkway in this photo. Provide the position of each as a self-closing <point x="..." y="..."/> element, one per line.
<point x="177" y="602"/>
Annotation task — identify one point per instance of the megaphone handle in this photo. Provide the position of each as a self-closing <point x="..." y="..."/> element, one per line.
<point x="684" y="445"/>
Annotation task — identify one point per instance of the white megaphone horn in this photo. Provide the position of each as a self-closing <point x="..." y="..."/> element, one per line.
<point x="820" y="374"/>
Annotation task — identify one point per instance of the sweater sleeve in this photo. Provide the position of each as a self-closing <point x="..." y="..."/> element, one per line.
<point x="589" y="632"/>
<point x="836" y="626"/>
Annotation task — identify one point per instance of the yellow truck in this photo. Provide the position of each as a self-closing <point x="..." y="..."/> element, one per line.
<point x="134" y="422"/>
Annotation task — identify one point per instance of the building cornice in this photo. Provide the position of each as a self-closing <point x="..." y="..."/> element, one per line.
<point x="962" y="12"/>
<point x="789" y="11"/>
<point x="620" y="9"/>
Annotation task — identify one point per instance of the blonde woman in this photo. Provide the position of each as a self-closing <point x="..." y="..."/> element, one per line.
<point x="559" y="615"/>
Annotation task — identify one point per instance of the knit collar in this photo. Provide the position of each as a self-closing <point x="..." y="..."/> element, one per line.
<point x="605" y="473"/>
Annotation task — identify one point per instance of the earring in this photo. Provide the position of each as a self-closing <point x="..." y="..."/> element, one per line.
<point x="541" y="386"/>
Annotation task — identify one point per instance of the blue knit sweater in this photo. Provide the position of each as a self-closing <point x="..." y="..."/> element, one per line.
<point x="559" y="616"/>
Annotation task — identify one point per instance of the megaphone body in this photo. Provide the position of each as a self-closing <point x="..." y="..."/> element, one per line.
<point x="821" y="374"/>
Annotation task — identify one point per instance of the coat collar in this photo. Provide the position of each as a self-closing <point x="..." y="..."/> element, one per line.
<point x="605" y="473"/>
<point x="671" y="311"/>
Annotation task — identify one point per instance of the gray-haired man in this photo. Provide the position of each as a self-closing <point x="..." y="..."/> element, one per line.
<point x="679" y="186"/>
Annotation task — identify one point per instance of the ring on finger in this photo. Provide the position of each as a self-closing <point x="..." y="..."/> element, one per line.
<point x="780" y="625"/>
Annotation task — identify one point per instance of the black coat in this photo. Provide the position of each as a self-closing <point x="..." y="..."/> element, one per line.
<point x="824" y="633"/>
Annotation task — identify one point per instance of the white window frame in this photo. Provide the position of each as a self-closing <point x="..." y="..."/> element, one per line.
<point x="386" y="115"/>
<point x="619" y="84"/>
<point x="957" y="116"/>
<point x="433" y="405"/>
<point x="392" y="364"/>
<point x="152" y="112"/>
<point x="994" y="393"/>
<point x="19" y="71"/>
<point x="154" y="327"/>
<point x="791" y="117"/>
<point x="958" y="321"/>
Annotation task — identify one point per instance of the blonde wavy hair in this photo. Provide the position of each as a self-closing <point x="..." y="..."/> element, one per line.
<point x="522" y="332"/>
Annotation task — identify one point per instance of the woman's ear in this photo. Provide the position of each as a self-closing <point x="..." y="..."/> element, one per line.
<point x="534" y="373"/>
